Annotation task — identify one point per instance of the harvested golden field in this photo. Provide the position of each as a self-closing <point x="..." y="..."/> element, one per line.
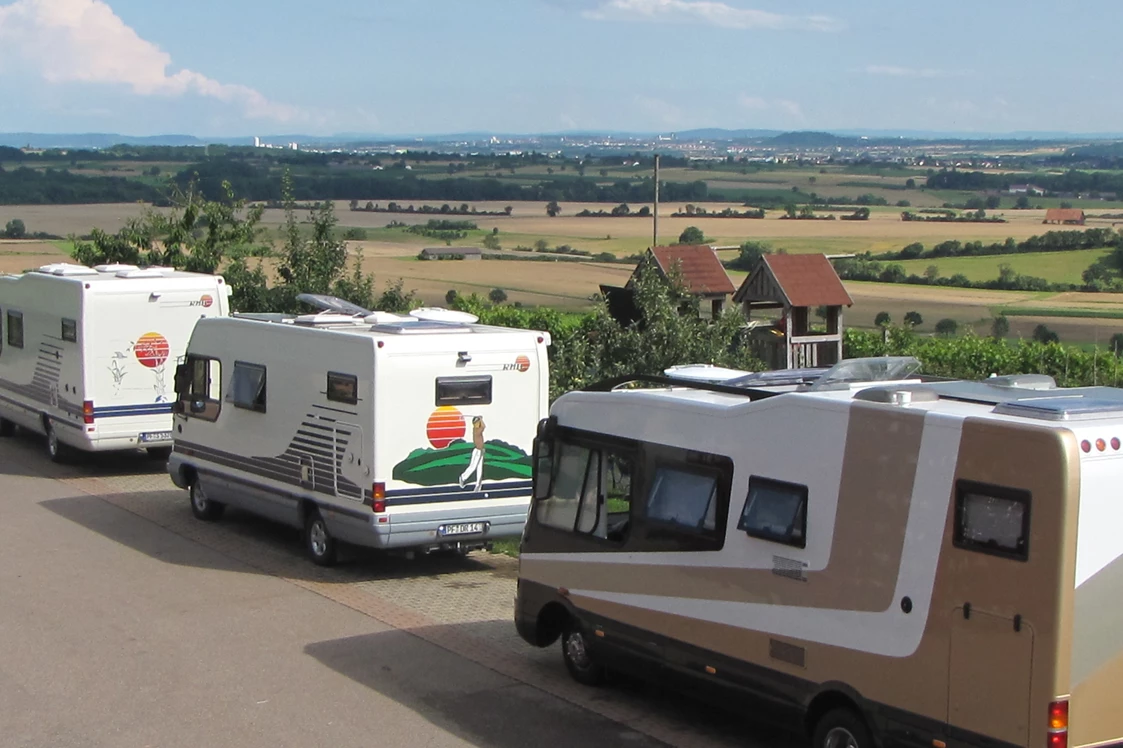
<point x="63" y="220"/>
<point x="18" y="256"/>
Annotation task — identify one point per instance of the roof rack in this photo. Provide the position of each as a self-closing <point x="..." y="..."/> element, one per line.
<point x="608" y="385"/>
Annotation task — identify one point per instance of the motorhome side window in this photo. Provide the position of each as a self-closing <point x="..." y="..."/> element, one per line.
<point x="590" y="490"/>
<point x="464" y="390"/>
<point x="248" y="385"/>
<point x="70" y="330"/>
<point x="343" y="388"/>
<point x="688" y="497"/>
<point x="199" y="387"/>
<point x="992" y="519"/>
<point x="15" y="329"/>
<point x="775" y="510"/>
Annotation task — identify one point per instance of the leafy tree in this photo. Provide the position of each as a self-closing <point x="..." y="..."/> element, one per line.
<point x="1042" y="334"/>
<point x="692" y="235"/>
<point x="946" y="327"/>
<point x="1000" y="328"/>
<point x="451" y="296"/>
<point x="15" y="229"/>
<point x="497" y="296"/>
<point x="883" y="319"/>
<point x="1022" y="202"/>
<point x="491" y="241"/>
<point x="749" y="256"/>
<point x="910" y="184"/>
<point x="993" y="201"/>
<point x="1116" y="344"/>
<point x="913" y="319"/>
<point x="932" y="272"/>
<point x="541" y="245"/>
<point x="552" y="208"/>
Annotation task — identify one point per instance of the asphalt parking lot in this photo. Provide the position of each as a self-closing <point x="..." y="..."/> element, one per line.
<point x="127" y="622"/>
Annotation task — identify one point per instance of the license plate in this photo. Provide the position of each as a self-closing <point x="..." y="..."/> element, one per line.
<point x="466" y="528"/>
<point x="156" y="436"/>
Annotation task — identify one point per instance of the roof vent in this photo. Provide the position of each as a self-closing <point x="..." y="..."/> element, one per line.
<point x="114" y="268"/>
<point x="439" y="314"/>
<point x="1024" y="381"/>
<point x="320" y="319"/>
<point x="897" y="395"/>
<point x="152" y="272"/>
<point x="66" y="268"/>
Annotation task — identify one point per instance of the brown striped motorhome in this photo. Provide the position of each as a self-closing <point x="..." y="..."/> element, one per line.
<point x="874" y="559"/>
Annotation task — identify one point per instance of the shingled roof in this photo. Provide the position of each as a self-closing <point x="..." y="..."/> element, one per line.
<point x="804" y="280"/>
<point x="701" y="270"/>
<point x="1064" y="214"/>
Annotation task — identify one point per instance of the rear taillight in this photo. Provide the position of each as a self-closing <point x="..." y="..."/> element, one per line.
<point x="1058" y="724"/>
<point x="88" y="411"/>
<point x="378" y="498"/>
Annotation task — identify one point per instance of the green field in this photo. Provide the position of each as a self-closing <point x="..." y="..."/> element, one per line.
<point x="1055" y="267"/>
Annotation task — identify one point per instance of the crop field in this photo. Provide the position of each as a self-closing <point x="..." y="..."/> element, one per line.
<point x="391" y="254"/>
<point x="1058" y="267"/>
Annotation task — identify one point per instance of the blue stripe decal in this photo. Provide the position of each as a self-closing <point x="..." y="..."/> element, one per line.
<point x="454" y="495"/>
<point x="144" y="409"/>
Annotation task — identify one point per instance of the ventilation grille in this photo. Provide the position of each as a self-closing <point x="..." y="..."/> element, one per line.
<point x="788" y="653"/>
<point x="789" y="568"/>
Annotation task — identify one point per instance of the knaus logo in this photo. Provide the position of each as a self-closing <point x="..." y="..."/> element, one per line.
<point x="204" y="301"/>
<point x="522" y="363"/>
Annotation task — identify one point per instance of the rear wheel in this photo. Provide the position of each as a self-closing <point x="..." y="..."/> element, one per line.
<point x="7" y="428"/>
<point x="202" y="506"/>
<point x="578" y="658"/>
<point x="56" y="450"/>
<point x="318" y="542"/>
<point x="841" y="728"/>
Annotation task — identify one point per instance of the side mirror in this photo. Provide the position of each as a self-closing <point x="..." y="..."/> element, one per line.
<point x="177" y="407"/>
<point x="547" y="427"/>
<point x="543" y="467"/>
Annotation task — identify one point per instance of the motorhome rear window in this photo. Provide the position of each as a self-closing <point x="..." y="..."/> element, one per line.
<point x="343" y="388"/>
<point x="464" y="390"/>
<point x="775" y="510"/>
<point x="249" y="386"/>
<point x="15" y="329"/>
<point x="992" y="519"/>
<point x="70" y="330"/>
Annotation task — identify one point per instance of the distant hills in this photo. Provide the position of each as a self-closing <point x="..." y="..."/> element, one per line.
<point x="800" y="139"/>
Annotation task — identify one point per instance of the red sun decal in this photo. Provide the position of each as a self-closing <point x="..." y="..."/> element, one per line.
<point x="522" y="363"/>
<point x="206" y="300"/>
<point x="151" y="349"/>
<point x="445" y="425"/>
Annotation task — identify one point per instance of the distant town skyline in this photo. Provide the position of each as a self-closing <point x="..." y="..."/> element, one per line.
<point x="433" y="67"/>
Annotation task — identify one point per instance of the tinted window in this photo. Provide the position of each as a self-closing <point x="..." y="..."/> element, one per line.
<point x="70" y="330"/>
<point x="776" y="511"/>
<point x="992" y="519"/>
<point x="249" y="386"/>
<point x="683" y="498"/>
<point x="343" y="388"/>
<point x="15" y="329"/>
<point x="464" y="390"/>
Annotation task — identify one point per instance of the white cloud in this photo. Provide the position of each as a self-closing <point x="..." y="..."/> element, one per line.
<point x="903" y="72"/>
<point x="84" y="41"/>
<point x="706" y="12"/>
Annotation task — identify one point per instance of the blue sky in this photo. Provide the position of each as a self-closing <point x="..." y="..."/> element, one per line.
<point x="245" y="67"/>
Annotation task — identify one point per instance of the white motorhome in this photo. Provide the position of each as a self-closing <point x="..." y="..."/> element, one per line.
<point x="396" y="432"/>
<point x="875" y="558"/>
<point x="87" y="354"/>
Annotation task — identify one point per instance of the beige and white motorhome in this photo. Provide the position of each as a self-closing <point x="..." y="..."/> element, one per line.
<point x="876" y="559"/>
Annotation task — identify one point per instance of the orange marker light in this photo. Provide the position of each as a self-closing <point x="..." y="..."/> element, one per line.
<point x="378" y="498"/>
<point x="1058" y="724"/>
<point x="1101" y="445"/>
<point x="88" y="411"/>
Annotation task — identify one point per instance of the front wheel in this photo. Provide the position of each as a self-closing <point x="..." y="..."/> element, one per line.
<point x="202" y="506"/>
<point x="841" y="728"/>
<point x="318" y="542"/>
<point x="579" y="659"/>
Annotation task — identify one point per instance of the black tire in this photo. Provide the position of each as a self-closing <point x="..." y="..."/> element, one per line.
<point x="7" y="428"/>
<point x="578" y="658"/>
<point x="56" y="450"/>
<point x="159" y="453"/>
<point x="202" y="506"/>
<point x="318" y="542"/>
<point x="841" y="728"/>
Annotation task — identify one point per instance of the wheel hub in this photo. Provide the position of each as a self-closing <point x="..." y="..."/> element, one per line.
<point x="840" y="737"/>
<point x="319" y="538"/>
<point x="575" y="648"/>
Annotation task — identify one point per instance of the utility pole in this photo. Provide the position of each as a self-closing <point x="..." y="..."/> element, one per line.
<point x="655" y="212"/>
